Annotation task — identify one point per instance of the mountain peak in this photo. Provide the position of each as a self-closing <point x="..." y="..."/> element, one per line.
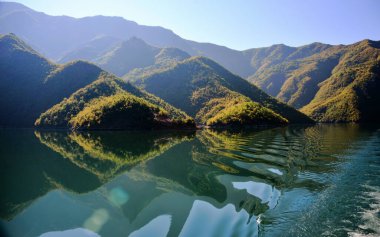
<point x="371" y="43"/>
<point x="170" y="54"/>
<point x="135" y="41"/>
<point x="10" y="42"/>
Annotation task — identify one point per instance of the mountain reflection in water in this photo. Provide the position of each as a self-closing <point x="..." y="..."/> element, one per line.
<point x="256" y="182"/>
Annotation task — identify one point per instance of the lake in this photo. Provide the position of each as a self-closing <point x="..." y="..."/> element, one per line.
<point x="320" y="180"/>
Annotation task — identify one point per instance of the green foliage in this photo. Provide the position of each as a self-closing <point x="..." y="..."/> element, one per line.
<point x="120" y="111"/>
<point x="267" y="57"/>
<point x="237" y="110"/>
<point x="296" y="81"/>
<point x="339" y="84"/>
<point x="88" y="105"/>
<point x="30" y="84"/>
<point x="247" y="113"/>
<point x="191" y="84"/>
<point x="215" y="105"/>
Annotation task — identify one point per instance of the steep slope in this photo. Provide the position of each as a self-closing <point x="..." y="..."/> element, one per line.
<point x="351" y="93"/>
<point x="30" y="84"/>
<point x="204" y="89"/>
<point x="110" y="103"/>
<point x="262" y="58"/>
<point x="336" y="85"/>
<point x="287" y="80"/>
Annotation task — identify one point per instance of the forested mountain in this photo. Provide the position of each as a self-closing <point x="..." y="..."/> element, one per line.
<point x="339" y="84"/>
<point x="66" y="38"/>
<point x="30" y="85"/>
<point x="110" y="103"/>
<point x="213" y="95"/>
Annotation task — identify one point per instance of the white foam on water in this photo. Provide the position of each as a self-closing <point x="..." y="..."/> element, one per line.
<point x="265" y="192"/>
<point x="276" y="171"/>
<point x="370" y="216"/>
<point x="78" y="232"/>
<point x="207" y="220"/>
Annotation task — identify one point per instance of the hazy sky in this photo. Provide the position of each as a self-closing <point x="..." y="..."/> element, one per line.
<point x="238" y="24"/>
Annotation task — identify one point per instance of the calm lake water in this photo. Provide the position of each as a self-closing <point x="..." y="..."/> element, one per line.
<point x="321" y="180"/>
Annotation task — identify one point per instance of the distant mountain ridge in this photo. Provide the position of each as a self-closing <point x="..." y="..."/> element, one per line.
<point x="60" y="37"/>
<point x="135" y="53"/>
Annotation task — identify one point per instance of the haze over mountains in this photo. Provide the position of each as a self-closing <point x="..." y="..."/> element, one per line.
<point x="66" y="34"/>
<point x="329" y="83"/>
<point x="30" y="84"/>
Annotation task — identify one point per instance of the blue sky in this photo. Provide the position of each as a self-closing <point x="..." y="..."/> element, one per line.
<point x="238" y="24"/>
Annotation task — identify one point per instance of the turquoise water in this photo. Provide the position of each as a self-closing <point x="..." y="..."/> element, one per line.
<point x="321" y="180"/>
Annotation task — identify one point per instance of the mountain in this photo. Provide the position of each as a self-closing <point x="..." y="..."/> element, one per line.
<point x="134" y="54"/>
<point x="213" y="95"/>
<point x="54" y="36"/>
<point x="130" y="54"/>
<point x="66" y="38"/>
<point x="30" y="85"/>
<point x="339" y="84"/>
<point x="91" y="50"/>
<point x="101" y="152"/>
<point x="46" y="160"/>
<point x="330" y="83"/>
<point x="110" y="103"/>
<point x="165" y="58"/>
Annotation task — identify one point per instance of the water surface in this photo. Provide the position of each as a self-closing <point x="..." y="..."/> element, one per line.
<point x="321" y="180"/>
